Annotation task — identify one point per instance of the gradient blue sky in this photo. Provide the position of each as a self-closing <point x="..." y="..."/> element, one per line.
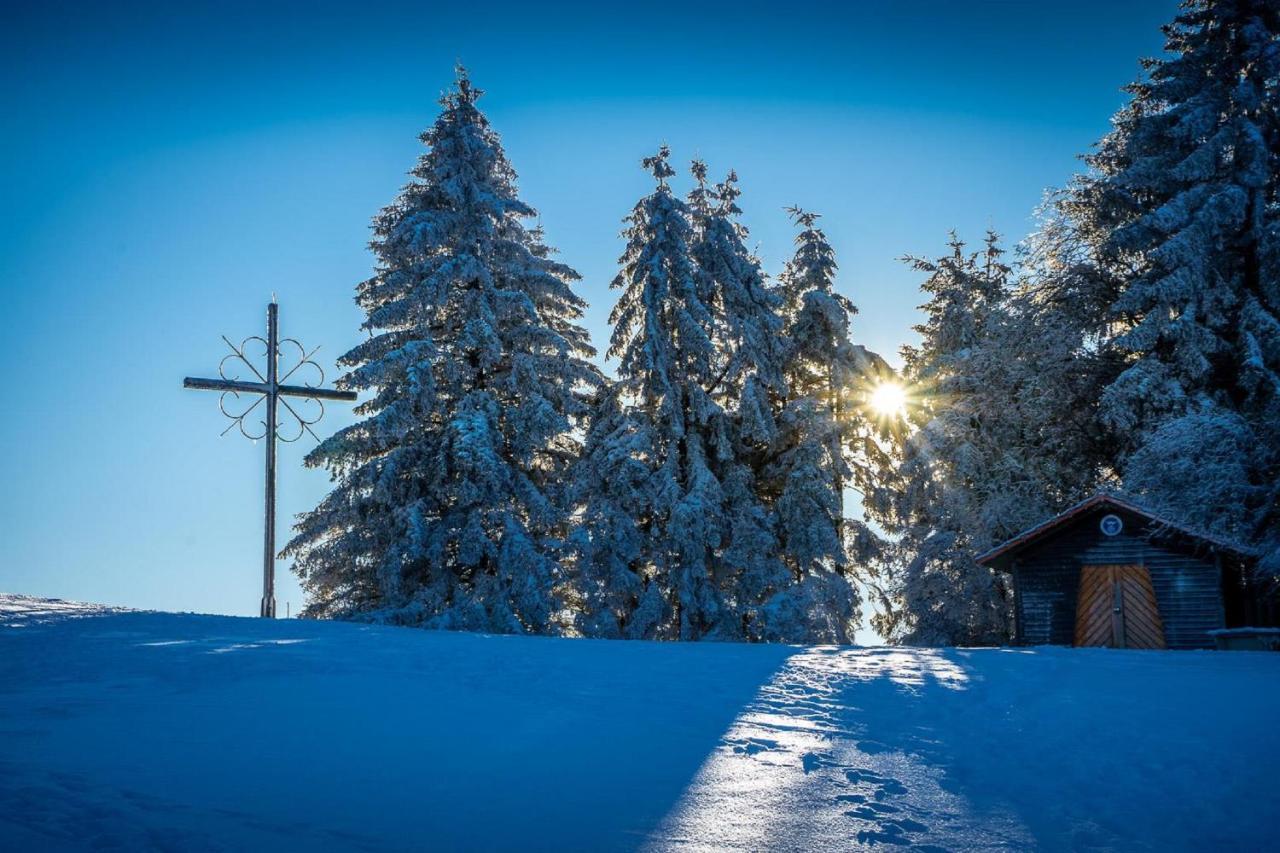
<point x="166" y="167"/>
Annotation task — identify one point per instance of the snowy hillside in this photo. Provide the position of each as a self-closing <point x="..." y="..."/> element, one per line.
<point x="135" y="730"/>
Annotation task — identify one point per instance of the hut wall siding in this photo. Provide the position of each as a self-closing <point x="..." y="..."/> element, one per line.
<point x="1188" y="591"/>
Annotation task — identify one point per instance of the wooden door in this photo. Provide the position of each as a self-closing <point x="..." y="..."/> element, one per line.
<point x="1116" y="607"/>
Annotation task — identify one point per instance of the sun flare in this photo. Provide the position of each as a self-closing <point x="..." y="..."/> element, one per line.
<point x="888" y="399"/>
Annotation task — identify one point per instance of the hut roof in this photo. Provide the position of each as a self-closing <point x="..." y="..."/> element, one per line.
<point x="1110" y="499"/>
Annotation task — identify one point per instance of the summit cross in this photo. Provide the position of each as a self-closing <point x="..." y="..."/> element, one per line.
<point x="271" y="390"/>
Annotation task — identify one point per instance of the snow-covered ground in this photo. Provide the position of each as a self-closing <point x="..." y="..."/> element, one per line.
<point x="133" y="730"/>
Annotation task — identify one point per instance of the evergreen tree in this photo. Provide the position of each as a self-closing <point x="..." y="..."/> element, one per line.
<point x="448" y="504"/>
<point x="826" y="440"/>
<point x="1181" y="207"/>
<point x="747" y="324"/>
<point x="1003" y="434"/>
<point x="749" y="387"/>
<point x="1049" y="359"/>
<point x="665" y="340"/>
<point x="622" y="594"/>
<point x="639" y="481"/>
<point x="938" y="509"/>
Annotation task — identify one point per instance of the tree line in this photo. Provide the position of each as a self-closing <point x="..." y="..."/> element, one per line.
<point x="498" y="480"/>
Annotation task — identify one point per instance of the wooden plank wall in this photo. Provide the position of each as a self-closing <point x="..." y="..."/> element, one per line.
<point x="1187" y="588"/>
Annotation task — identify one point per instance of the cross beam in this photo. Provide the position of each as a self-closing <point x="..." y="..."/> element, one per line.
<point x="264" y="388"/>
<point x="272" y="391"/>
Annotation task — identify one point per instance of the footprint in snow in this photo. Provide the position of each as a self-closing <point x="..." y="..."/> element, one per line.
<point x="886" y="822"/>
<point x="883" y="785"/>
<point x="872" y="811"/>
<point x="897" y="832"/>
<point x="812" y="761"/>
<point x="754" y="745"/>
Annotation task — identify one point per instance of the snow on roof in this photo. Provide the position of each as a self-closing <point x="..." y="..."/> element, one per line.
<point x="1107" y="499"/>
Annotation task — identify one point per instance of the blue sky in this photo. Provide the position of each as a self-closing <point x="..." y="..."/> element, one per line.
<point x="167" y="167"/>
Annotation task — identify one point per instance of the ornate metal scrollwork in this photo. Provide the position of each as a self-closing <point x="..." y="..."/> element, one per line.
<point x="239" y="358"/>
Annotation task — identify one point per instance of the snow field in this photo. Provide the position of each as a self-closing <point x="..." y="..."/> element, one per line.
<point x="132" y="730"/>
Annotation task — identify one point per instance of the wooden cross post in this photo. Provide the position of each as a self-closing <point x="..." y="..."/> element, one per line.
<point x="269" y="388"/>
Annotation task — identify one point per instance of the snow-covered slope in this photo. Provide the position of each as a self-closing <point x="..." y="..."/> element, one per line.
<point x="139" y="731"/>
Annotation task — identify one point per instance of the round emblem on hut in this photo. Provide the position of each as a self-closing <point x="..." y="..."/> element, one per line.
<point x="1111" y="524"/>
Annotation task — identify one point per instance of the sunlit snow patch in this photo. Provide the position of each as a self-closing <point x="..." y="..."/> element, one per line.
<point x="17" y="611"/>
<point x="798" y="769"/>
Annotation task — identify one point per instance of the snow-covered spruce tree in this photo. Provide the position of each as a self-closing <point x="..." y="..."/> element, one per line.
<point x="938" y="510"/>
<point x="826" y="440"/>
<point x="621" y="595"/>
<point x="747" y="324"/>
<point x="449" y="498"/>
<point x="1050" y="360"/>
<point x="664" y="416"/>
<point x="749" y="387"/>
<point x="1182" y="200"/>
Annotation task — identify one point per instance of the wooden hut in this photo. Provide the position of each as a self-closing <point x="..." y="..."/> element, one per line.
<point x="1108" y="572"/>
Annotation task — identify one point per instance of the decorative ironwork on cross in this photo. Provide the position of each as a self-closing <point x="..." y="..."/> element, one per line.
<point x="272" y="390"/>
